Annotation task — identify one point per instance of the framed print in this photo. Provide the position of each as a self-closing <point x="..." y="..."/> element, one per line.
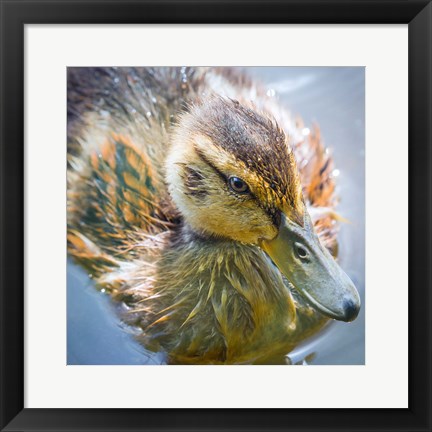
<point x="215" y="216"/>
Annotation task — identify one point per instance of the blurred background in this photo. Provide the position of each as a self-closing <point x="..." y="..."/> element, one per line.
<point x="333" y="98"/>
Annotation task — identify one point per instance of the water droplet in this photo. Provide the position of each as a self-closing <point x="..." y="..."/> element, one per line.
<point x="103" y="290"/>
<point x="305" y="131"/>
<point x="154" y="100"/>
<point x="184" y="78"/>
<point x="116" y="80"/>
<point x="335" y="172"/>
<point x="148" y="114"/>
<point x="271" y="93"/>
<point x="292" y="326"/>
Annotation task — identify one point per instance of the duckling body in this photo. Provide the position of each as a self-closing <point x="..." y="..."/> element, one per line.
<point x="181" y="182"/>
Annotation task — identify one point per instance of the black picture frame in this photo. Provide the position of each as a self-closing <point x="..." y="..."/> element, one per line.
<point x="14" y="15"/>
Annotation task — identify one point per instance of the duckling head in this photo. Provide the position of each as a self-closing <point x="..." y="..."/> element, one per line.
<point x="232" y="174"/>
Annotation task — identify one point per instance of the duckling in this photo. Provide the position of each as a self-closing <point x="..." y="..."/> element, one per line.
<point x="195" y="201"/>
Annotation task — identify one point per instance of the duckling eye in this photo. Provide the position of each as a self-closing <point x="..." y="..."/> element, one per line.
<point x="237" y="185"/>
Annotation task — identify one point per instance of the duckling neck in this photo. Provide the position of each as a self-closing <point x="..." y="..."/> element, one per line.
<point x="217" y="298"/>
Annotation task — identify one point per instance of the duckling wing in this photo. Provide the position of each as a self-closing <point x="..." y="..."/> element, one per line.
<point x="118" y="126"/>
<point x="113" y="199"/>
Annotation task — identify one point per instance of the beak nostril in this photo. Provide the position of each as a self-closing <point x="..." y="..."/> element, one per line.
<point x="301" y="251"/>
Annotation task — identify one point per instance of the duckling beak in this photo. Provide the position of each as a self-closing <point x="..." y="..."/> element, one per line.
<point x="311" y="269"/>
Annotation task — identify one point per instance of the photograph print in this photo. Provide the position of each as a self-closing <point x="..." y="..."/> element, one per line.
<point x="215" y="215"/>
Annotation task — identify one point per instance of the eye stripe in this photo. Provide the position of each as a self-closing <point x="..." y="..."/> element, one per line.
<point x="204" y="159"/>
<point x="275" y="216"/>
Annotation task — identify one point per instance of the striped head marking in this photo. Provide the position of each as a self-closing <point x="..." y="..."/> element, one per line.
<point x="231" y="172"/>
